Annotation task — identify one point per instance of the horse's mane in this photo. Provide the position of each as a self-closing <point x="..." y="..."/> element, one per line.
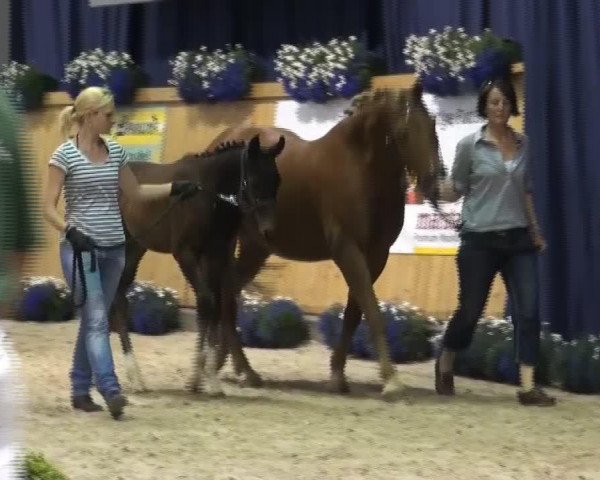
<point x="223" y="147"/>
<point x="378" y="98"/>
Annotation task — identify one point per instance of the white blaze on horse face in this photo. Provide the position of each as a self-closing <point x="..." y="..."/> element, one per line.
<point x="134" y="374"/>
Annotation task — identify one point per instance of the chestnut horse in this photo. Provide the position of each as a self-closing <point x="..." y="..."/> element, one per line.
<point x="342" y="198"/>
<point x="239" y="183"/>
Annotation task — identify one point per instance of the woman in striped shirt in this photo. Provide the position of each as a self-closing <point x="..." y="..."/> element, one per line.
<point x="91" y="170"/>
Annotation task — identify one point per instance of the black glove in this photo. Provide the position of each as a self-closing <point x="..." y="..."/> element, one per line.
<point x="184" y="188"/>
<point x="79" y="241"/>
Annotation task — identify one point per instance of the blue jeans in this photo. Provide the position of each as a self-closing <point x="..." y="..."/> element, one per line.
<point x="93" y="353"/>
<point x="480" y="257"/>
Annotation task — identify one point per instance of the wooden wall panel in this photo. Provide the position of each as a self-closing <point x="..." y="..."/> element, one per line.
<point x="426" y="281"/>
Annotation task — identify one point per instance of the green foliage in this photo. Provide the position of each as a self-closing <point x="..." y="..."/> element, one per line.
<point x="281" y="324"/>
<point x="37" y="467"/>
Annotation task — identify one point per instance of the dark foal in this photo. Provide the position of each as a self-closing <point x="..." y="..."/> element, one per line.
<point x="200" y="232"/>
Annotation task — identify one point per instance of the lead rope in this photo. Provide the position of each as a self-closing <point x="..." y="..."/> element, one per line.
<point x="78" y="268"/>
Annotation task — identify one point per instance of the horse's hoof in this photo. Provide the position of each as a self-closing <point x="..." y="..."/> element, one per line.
<point x="338" y="384"/>
<point x="214" y="391"/>
<point x="216" y="394"/>
<point x="193" y="387"/>
<point x="253" y="380"/>
<point x="393" y="389"/>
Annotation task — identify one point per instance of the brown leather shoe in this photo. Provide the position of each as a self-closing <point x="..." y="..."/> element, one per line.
<point x="444" y="382"/>
<point x="85" y="403"/>
<point x="536" y="397"/>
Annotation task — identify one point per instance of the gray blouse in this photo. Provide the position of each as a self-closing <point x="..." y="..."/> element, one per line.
<point x="493" y="190"/>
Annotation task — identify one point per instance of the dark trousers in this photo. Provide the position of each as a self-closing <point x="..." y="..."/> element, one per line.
<point x="480" y="257"/>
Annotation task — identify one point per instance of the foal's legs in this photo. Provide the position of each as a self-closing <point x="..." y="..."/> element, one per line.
<point x="133" y="255"/>
<point x="216" y="280"/>
<point x="189" y="264"/>
<point x="249" y="262"/>
<point x="353" y="264"/>
<point x="352" y="316"/>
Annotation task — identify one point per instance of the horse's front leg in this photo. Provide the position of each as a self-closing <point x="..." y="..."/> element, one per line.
<point x="230" y="339"/>
<point x="252" y="256"/>
<point x="217" y="270"/>
<point x="354" y="267"/>
<point x="190" y="265"/>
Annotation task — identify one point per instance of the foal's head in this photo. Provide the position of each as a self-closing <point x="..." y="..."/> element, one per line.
<point x="260" y="183"/>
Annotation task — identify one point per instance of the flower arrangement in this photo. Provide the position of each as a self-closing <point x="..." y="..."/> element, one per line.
<point x="44" y="299"/>
<point x="318" y="72"/>
<point x="408" y="332"/>
<point x="219" y="75"/>
<point x="451" y="62"/>
<point x="25" y="84"/>
<point x="113" y="70"/>
<point x="153" y="310"/>
<point x="278" y="323"/>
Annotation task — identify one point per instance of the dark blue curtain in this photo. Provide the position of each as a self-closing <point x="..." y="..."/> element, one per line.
<point x="405" y="17"/>
<point x="562" y="79"/>
<point x="50" y="33"/>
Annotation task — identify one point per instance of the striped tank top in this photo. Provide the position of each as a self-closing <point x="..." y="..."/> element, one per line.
<point x="91" y="192"/>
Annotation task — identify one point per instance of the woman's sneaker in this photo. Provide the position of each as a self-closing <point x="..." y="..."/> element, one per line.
<point x="535" y="397"/>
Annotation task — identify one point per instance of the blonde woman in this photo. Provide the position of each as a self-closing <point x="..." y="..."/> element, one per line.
<point x="91" y="170"/>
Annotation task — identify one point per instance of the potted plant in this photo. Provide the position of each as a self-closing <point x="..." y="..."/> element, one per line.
<point x="113" y="70"/>
<point x="319" y="72"/>
<point x="211" y="76"/>
<point x="451" y="62"/>
<point x="25" y="84"/>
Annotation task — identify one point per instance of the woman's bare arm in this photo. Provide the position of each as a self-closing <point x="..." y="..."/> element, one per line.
<point x="54" y="185"/>
<point x="141" y="192"/>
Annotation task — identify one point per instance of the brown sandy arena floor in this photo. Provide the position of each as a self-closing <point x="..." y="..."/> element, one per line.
<point x="293" y="428"/>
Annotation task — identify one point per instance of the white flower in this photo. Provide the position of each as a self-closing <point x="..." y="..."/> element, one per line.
<point x="317" y="62"/>
<point x="10" y="73"/>
<point x="207" y="66"/>
<point x="95" y="61"/>
<point x="450" y="51"/>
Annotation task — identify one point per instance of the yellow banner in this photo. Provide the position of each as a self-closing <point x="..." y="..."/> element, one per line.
<point x="141" y="132"/>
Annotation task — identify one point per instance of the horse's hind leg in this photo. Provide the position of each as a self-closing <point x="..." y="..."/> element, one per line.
<point x="355" y="269"/>
<point x="352" y="316"/>
<point x="120" y="309"/>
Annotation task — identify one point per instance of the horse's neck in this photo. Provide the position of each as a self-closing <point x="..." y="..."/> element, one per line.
<point x="372" y="135"/>
<point x="222" y="171"/>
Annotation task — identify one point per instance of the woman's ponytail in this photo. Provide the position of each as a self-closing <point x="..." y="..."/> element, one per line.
<point x="66" y="121"/>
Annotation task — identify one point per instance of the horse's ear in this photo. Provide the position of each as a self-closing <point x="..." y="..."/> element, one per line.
<point x="417" y="91"/>
<point x="278" y="147"/>
<point x="254" y="146"/>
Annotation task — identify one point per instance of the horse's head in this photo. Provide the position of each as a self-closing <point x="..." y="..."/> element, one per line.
<point x="260" y="184"/>
<point x="409" y="132"/>
<point x="421" y="146"/>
